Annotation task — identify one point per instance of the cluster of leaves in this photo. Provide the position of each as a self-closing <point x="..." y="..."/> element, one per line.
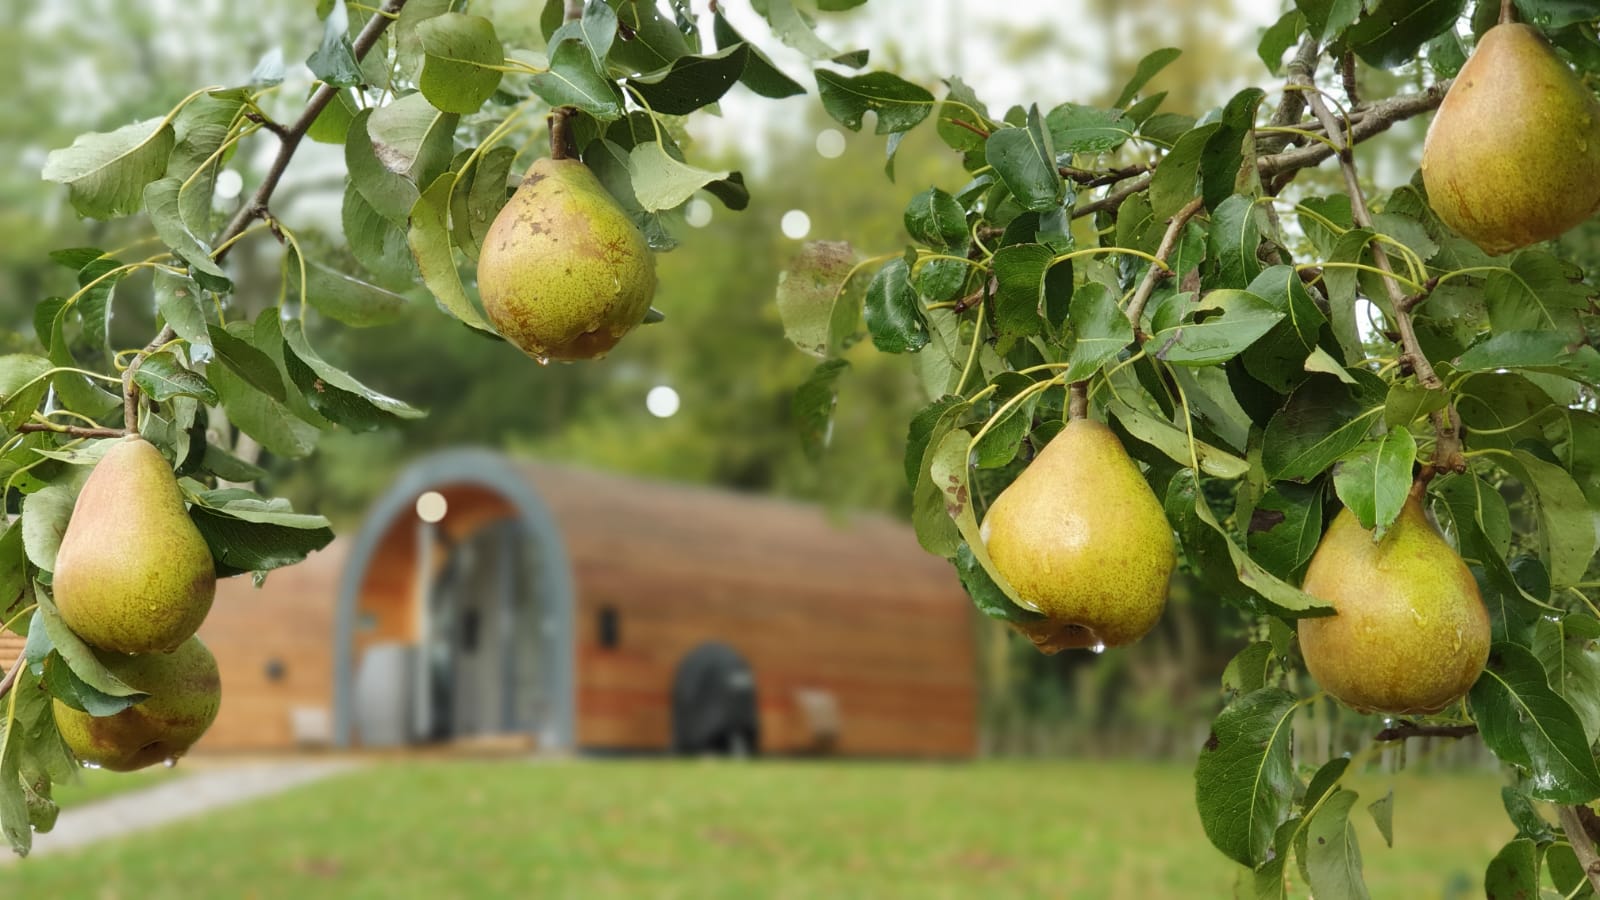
<point x="1240" y="333"/>
<point x="422" y="97"/>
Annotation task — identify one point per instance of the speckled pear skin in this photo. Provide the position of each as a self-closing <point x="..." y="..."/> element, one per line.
<point x="185" y="693"/>
<point x="1513" y="154"/>
<point x="563" y="272"/>
<point x="1411" y="633"/>
<point x="133" y="574"/>
<point x="1082" y="538"/>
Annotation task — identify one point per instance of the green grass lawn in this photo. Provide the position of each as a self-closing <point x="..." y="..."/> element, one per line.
<point x="773" y="829"/>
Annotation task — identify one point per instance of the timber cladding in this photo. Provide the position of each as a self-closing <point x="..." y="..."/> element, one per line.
<point x="846" y="625"/>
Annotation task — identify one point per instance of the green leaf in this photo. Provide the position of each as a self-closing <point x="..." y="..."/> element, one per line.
<point x="1285" y="527"/>
<point x="1333" y="858"/>
<point x="1172" y="440"/>
<point x="961" y="105"/>
<point x="249" y="534"/>
<point x="760" y="75"/>
<point x="813" y="403"/>
<point x="1567" y="538"/>
<point x="1568" y="649"/>
<point x="791" y="27"/>
<point x="1247" y="671"/>
<point x="1244" y="781"/>
<point x="1100" y="330"/>
<point x="1277" y="39"/>
<point x="161" y="202"/>
<point x="1085" y="129"/>
<point x="106" y="173"/>
<point x="334" y="61"/>
<point x="1220" y="327"/>
<point x="387" y="193"/>
<point x="1227" y="165"/>
<point x="461" y="59"/>
<point x="986" y="595"/>
<point x="182" y="306"/>
<point x="333" y="393"/>
<point x="1322" y="421"/>
<point x="253" y="366"/>
<point x="14" y="582"/>
<point x="894" y="313"/>
<point x="573" y="80"/>
<point x="261" y="416"/>
<point x="45" y="513"/>
<point x="1382" y="812"/>
<point x="1391" y="33"/>
<point x="1025" y="161"/>
<point x="692" y="82"/>
<point x="1527" y="724"/>
<point x="1538" y="351"/>
<point x="899" y="104"/>
<point x="1553" y="14"/>
<point x="662" y="182"/>
<point x="1235" y="235"/>
<point x="1176" y="178"/>
<point x="1020" y="271"/>
<point x="1373" y="479"/>
<point x="162" y="376"/>
<point x="477" y="198"/>
<point x="935" y="219"/>
<point x="999" y="445"/>
<point x="23" y="386"/>
<point x="411" y="138"/>
<point x="937" y="530"/>
<point x="109" y="693"/>
<point x="1147" y="69"/>
<point x="809" y="292"/>
<point x="429" y="239"/>
<point x="341" y="297"/>
<point x="1536" y="292"/>
<point x="1327" y="18"/>
<point x="1514" y="872"/>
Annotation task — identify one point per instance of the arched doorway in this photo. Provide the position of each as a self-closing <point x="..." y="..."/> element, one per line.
<point x="714" y="706"/>
<point x="470" y="609"/>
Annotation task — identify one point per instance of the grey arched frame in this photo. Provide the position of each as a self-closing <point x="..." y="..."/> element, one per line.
<point x="552" y="576"/>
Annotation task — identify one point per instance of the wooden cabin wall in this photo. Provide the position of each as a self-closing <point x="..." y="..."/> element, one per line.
<point x="288" y="620"/>
<point x="857" y="609"/>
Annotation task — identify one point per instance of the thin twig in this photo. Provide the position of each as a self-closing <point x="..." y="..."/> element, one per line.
<point x="12" y="673"/>
<point x="1582" y="843"/>
<point x="1155" y="273"/>
<point x="1447" y="449"/>
<point x="1405" y="730"/>
<point x="1292" y="104"/>
<point x="76" y="431"/>
<point x="256" y="208"/>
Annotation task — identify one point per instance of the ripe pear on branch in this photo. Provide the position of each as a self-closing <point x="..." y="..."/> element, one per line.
<point x="1513" y="155"/>
<point x="184" y="695"/>
<point x="564" y="273"/>
<point x="1410" y="633"/>
<point x="1082" y="538"/>
<point x="134" y="574"/>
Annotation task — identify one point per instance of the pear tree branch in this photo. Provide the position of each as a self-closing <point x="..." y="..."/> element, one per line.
<point x="289" y="138"/>
<point x="1373" y="120"/>
<point x="1153" y="275"/>
<point x="1447" y="450"/>
<point x="1582" y="841"/>
<point x="1404" y="730"/>
<point x="76" y="431"/>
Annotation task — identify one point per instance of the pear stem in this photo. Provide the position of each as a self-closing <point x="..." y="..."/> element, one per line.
<point x="1582" y="843"/>
<point x="1508" y="16"/>
<point x="560" y="135"/>
<point x="1447" y="449"/>
<point x="12" y="673"/>
<point x="289" y="139"/>
<point x="1078" y="400"/>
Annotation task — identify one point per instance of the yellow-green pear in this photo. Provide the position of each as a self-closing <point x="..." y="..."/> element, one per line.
<point x="1410" y="633"/>
<point x="185" y="693"/>
<point x="1513" y="155"/>
<point x="564" y="273"/>
<point x="1082" y="539"/>
<point x="133" y="574"/>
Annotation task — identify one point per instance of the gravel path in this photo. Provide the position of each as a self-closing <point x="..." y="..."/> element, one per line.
<point x="180" y="798"/>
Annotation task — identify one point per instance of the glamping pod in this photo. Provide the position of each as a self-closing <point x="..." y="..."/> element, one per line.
<point x="489" y="601"/>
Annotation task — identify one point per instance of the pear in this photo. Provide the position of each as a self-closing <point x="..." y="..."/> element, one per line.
<point x="563" y="272"/>
<point x="1513" y="155"/>
<point x="1410" y="633"/>
<point x="133" y="574"/>
<point x="1082" y="539"/>
<point x="185" y="693"/>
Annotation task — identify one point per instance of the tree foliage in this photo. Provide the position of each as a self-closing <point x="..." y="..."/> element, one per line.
<point x="1269" y="349"/>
